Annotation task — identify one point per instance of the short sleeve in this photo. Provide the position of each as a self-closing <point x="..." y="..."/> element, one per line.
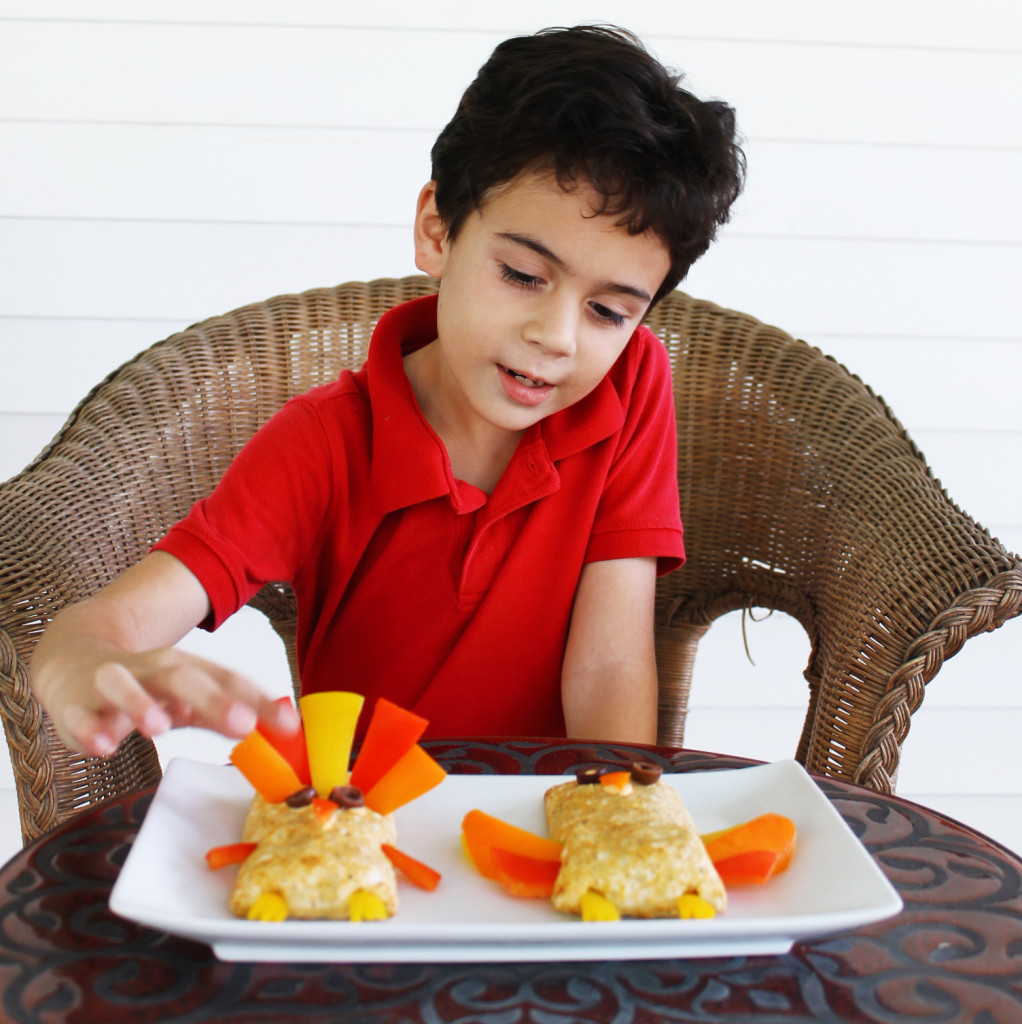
<point x="638" y="513"/>
<point x="259" y="522"/>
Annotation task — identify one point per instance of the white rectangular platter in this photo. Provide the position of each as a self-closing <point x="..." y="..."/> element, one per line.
<point x="832" y="885"/>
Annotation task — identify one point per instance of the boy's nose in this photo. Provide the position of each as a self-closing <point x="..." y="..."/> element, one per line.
<point x="553" y="327"/>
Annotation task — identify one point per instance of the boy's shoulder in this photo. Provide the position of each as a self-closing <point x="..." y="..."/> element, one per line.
<point x="644" y="356"/>
<point x="339" y="408"/>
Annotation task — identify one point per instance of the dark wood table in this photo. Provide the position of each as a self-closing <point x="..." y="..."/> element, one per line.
<point x="953" y="954"/>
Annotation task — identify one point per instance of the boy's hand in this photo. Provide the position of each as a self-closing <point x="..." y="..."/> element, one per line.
<point x="106" y="667"/>
<point x="95" y="708"/>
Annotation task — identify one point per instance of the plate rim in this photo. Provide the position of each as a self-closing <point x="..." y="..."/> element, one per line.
<point x="571" y="938"/>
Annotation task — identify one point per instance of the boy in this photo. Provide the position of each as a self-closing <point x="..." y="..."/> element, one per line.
<point x="473" y="523"/>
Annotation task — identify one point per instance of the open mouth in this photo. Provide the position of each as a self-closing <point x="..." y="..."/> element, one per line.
<point x="529" y="382"/>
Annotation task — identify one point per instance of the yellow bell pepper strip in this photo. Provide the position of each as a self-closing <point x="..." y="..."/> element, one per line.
<point x="329" y="720"/>
<point x="270" y="775"/>
<point x="230" y="853"/>
<point x="481" y="832"/>
<point x="598" y="908"/>
<point x="527" y="877"/>
<point x="290" y="746"/>
<point x="269" y="906"/>
<point x="414" y="773"/>
<point x="419" y="874"/>
<point x="770" y="836"/>
<point x="366" y="906"/>
<point x="392" y="732"/>
<point x="692" y="906"/>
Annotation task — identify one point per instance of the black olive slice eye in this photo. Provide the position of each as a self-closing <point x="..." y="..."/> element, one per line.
<point x="302" y="798"/>
<point x="589" y="776"/>
<point x="347" y="796"/>
<point x="645" y="773"/>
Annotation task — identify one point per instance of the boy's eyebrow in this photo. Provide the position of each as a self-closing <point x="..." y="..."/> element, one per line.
<point x="538" y="247"/>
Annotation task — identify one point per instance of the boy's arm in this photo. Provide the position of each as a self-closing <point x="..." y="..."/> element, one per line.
<point x="609" y="682"/>
<point x="106" y="666"/>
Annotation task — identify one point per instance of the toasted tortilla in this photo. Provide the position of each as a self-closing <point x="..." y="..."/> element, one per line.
<point x="637" y="847"/>
<point x="315" y="866"/>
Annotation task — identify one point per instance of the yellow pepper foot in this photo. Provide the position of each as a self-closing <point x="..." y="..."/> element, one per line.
<point x="690" y="905"/>
<point x="269" y="906"/>
<point x="366" y="906"/>
<point x="598" y="908"/>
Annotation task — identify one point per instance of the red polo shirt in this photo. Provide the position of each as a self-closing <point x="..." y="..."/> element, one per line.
<point x="417" y="586"/>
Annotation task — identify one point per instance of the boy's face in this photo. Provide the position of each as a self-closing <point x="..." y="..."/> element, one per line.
<point x="538" y="298"/>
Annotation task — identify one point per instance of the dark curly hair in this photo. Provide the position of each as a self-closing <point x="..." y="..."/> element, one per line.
<point x="591" y="105"/>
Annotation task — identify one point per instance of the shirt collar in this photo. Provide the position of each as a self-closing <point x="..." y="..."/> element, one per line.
<point x="409" y="463"/>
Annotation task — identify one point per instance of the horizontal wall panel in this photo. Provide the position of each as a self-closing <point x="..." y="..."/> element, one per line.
<point x="987" y="671"/>
<point x="223" y="74"/>
<point x="768" y="734"/>
<point x="962" y="750"/>
<point x="50" y="365"/>
<point x="846" y="190"/>
<point x="978" y="471"/>
<point x="948" y="750"/>
<point x="22" y="438"/>
<point x="831" y="286"/>
<point x="183" y="271"/>
<point x="222" y="173"/>
<point x="911" y="23"/>
<point x="146" y="172"/>
<point x="283" y="75"/>
<point x="937" y="383"/>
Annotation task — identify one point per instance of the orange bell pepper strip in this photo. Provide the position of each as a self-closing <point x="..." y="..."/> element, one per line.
<point x="752" y="868"/>
<point x="269" y="773"/>
<point x="766" y="832"/>
<point x="527" y="877"/>
<point x="290" y="746"/>
<point x="230" y="853"/>
<point x="392" y="732"/>
<point x="482" y="833"/>
<point x="323" y="808"/>
<point x="615" y="780"/>
<point x="414" y="773"/>
<point x="419" y="874"/>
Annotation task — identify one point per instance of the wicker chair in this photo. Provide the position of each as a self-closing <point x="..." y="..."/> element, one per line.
<point x="800" y="492"/>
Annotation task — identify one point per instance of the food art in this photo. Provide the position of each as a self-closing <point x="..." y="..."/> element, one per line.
<point x="632" y="845"/>
<point x="622" y="843"/>
<point x="319" y="840"/>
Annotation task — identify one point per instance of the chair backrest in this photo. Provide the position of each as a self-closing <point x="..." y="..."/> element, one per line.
<point x="133" y="457"/>
<point x="799" y="492"/>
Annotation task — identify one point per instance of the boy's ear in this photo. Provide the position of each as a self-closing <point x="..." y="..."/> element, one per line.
<point x="430" y="234"/>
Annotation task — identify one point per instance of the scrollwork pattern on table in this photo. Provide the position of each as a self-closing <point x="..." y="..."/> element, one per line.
<point x="65" y="957"/>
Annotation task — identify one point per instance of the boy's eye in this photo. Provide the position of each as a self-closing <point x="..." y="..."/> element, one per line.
<point x="518" y="278"/>
<point x="608" y="316"/>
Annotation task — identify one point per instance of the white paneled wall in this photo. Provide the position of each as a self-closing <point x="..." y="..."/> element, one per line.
<point x="164" y="161"/>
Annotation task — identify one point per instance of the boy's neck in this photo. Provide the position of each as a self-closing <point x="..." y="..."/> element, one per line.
<point x="478" y="452"/>
<point x="480" y="466"/>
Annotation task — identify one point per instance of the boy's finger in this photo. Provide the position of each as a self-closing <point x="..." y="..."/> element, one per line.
<point x="83" y="731"/>
<point x="116" y="684"/>
<point x="200" y="693"/>
<point x="242" y="696"/>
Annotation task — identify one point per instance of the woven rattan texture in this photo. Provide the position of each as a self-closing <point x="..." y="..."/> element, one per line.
<point x="800" y="492"/>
